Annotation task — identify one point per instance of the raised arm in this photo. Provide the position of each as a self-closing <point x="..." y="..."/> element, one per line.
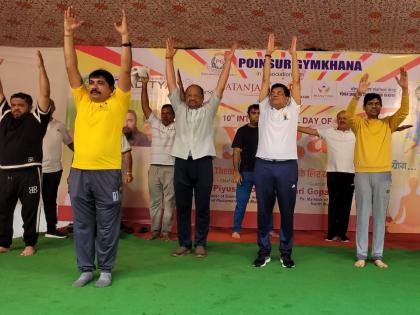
<point x="265" y="85"/>
<point x="363" y="86"/>
<point x="170" y="71"/>
<point x="124" y="79"/>
<point x="145" y="97"/>
<point x="295" y="72"/>
<point x="1" y="86"/>
<point x="308" y="131"/>
<point x="224" y="75"/>
<point x="44" y="85"/>
<point x="70" y="58"/>
<point x="180" y="85"/>
<point x="402" y="112"/>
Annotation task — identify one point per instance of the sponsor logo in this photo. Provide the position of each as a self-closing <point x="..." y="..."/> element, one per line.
<point x="33" y="190"/>
<point x="217" y="61"/>
<point x="115" y="196"/>
<point x="322" y="90"/>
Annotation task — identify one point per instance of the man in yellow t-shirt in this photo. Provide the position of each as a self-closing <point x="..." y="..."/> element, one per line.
<point x="372" y="162"/>
<point x="95" y="177"/>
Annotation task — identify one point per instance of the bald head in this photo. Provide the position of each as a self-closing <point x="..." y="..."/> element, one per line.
<point x="194" y="96"/>
<point x="342" y="121"/>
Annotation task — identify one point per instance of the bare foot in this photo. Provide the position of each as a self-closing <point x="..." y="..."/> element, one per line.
<point x="165" y="236"/>
<point x="28" y="251"/>
<point x="380" y="264"/>
<point x="4" y="250"/>
<point x="360" y="263"/>
<point x="236" y="235"/>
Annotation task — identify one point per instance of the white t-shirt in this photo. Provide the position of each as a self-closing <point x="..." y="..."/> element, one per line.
<point x="163" y="138"/>
<point x="125" y="146"/>
<point x="277" y="131"/>
<point x="340" y="149"/>
<point x="194" y="127"/>
<point x="51" y="147"/>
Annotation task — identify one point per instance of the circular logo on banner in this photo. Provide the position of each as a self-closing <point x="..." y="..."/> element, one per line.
<point x="217" y="61"/>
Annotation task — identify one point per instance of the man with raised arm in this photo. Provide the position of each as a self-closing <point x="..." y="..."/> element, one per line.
<point x="194" y="151"/>
<point x="21" y="134"/>
<point x="161" y="171"/>
<point x="95" y="176"/>
<point x="52" y="170"/>
<point x="340" y="174"/>
<point x="372" y="163"/>
<point x="276" y="170"/>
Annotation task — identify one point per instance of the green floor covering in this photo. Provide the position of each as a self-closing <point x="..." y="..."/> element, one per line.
<point x="147" y="280"/>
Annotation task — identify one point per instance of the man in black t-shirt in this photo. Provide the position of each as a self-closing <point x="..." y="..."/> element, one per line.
<point x="244" y="147"/>
<point x="21" y="134"/>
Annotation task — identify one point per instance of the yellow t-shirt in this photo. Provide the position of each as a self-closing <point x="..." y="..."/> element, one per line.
<point x="98" y="130"/>
<point x="373" y="149"/>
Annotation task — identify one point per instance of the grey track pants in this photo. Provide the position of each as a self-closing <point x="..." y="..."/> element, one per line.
<point x="372" y="194"/>
<point x="96" y="202"/>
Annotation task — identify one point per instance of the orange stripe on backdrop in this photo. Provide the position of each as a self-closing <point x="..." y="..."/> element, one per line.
<point x="231" y="108"/>
<point x="306" y="107"/>
<point x="196" y="56"/>
<point x="324" y="110"/>
<point x="364" y="57"/>
<point x="343" y="75"/>
<point x="322" y="75"/>
<point x="394" y="73"/>
<point x="110" y="56"/>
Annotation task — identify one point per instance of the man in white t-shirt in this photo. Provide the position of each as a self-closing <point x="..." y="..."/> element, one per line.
<point x="276" y="170"/>
<point x="340" y="174"/>
<point x="161" y="171"/>
<point x="52" y="170"/>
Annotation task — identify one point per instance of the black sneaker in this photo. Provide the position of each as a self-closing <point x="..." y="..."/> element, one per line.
<point x="56" y="234"/>
<point x="261" y="261"/>
<point x="287" y="261"/>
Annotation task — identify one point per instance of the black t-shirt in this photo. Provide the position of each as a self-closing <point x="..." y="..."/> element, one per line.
<point x="21" y="139"/>
<point x="246" y="139"/>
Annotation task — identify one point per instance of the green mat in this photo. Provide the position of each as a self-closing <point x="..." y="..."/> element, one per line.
<point x="147" y="280"/>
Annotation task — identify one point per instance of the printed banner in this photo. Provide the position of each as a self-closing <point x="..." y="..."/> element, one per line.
<point x="329" y="80"/>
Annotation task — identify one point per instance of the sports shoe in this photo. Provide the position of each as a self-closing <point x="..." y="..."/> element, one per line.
<point x="56" y="234"/>
<point x="181" y="251"/>
<point x="344" y="239"/>
<point x="261" y="261"/>
<point x="287" y="261"/>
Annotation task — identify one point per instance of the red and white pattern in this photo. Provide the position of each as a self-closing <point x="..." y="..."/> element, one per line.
<point x="354" y="25"/>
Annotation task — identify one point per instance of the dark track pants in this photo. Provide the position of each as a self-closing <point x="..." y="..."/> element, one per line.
<point x="193" y="177"/>
<point x="24" y="185"/>
<point x="275" y="179"/>
<point x="340" y="192"/>
<point x="96" y="202"/>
